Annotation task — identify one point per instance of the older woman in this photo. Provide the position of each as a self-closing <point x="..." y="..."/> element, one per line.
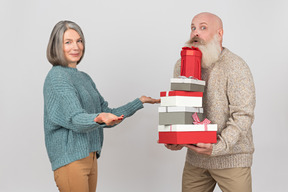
<point x="75" y="113"/>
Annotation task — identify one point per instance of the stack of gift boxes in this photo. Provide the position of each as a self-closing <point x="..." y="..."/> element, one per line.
<point x="181" y="118"/>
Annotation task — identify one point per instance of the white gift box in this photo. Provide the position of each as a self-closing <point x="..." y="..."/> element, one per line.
<point x="181" y="101"/>
<point x="186" y="127"/>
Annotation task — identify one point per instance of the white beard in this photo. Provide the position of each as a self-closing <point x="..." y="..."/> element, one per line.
<point x="210" y="51"/>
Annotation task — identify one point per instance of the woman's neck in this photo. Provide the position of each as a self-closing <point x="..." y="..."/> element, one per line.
<point x="72" y="65"/>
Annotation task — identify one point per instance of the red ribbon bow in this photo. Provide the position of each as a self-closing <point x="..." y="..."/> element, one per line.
<point x="205" y="122"/>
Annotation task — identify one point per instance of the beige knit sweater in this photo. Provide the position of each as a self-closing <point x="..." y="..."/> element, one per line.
<point x="229" y="102"/>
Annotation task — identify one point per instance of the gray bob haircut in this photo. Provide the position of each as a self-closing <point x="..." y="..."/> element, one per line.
<point x="55" y="53"/>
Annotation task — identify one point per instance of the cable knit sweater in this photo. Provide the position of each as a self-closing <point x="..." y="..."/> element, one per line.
<point x="71" y="102"/>
<point x="229" y="102"/>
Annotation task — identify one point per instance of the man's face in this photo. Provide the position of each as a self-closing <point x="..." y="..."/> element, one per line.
<point x="203" y="29"/>
<point x="206" y="34"/>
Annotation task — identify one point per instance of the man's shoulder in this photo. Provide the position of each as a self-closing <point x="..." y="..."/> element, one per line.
<point x="234" y="64"/>
<point x="229" y="55"/>
<point x="231" y="59"/>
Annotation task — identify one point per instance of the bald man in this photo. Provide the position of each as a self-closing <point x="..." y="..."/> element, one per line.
<point x="229" y="102"/>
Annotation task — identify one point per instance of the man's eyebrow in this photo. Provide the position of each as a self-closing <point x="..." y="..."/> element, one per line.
<point x="200" y="23"/>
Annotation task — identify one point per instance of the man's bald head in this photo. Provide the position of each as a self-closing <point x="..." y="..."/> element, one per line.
<point x="206" y="25"/>
<point x="210" y="17"/>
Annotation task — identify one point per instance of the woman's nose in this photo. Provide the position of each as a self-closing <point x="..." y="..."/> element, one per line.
<point x="75" y="46"/>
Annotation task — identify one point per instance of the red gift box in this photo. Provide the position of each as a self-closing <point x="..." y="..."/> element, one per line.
<point x="187" y="134"/>
<point x="181" y="93"/>
<point x="187" y="137"/>
<point x="191" y="62"/>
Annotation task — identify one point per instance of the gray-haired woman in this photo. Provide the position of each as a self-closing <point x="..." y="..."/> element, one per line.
<point x="75" y="113"/>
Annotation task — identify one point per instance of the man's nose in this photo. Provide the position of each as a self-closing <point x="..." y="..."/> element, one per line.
<point x="195" y="33"/>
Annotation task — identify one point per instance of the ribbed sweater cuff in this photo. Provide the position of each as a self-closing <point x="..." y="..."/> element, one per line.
<point x="220" y="162"/>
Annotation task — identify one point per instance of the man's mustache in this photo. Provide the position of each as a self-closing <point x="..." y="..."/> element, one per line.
<point x="197" y="39"/>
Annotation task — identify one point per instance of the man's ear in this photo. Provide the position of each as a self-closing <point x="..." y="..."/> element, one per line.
<point x="220" y="32"/>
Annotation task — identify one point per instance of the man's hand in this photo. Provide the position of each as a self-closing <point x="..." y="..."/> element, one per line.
<point x="201" y="148"/>
<point x="174" y="147"/>
<point x="145" y="99"/>
<point x="108" y="118"/>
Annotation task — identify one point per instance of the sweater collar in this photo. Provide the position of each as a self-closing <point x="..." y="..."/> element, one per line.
<point x="67" y="68"/>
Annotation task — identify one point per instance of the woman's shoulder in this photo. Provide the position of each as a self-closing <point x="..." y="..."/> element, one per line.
<point x="59" y="75"/>
<point x="61" y="72"/>
<point x="85" y="75"/>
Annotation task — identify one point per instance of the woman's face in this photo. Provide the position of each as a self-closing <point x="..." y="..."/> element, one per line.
<point x="72" y="47"/>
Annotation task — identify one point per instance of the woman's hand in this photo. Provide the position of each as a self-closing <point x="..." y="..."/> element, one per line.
<point x="108" y="118"/>
<point x="145" y="99"/>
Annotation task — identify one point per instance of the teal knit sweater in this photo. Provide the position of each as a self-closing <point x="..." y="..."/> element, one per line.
<point x="71" y="102"/>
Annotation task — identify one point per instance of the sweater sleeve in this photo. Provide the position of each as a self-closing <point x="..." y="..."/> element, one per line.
<point x="63" y="107"/>
<point x="241" y="101"/>
<point x="127" y="110"/>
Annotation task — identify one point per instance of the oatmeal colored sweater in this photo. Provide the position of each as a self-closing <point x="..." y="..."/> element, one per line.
<point x="71" y="102"/>
<point x="229" y="102"/>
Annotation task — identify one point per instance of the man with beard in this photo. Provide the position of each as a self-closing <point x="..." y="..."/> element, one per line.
<point x="229" y="102"/>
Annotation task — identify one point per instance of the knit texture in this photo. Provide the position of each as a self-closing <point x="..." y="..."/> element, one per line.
<point x="71" y="102"/>
<point x="229" y="102"/>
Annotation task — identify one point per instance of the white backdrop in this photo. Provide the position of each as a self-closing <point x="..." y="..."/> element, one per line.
<point x="131" y="49"/>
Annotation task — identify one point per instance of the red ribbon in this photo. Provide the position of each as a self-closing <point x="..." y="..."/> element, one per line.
<point x="205" y="122"/>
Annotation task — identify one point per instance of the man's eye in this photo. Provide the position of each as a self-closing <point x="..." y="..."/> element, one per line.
<point x="203" y="27"/>
<point x="193" y="28"/>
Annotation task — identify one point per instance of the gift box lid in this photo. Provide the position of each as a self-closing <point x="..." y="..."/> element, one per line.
<point x="180" y="109"/>
<point x="191" y="51"/>
<point x="181" y="93"/>
<point x="186" y="127"/>
<point x="191" y="81"/>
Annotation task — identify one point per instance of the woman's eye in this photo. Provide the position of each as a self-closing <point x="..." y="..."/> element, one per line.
<point x="67" y="42"/>
<point x="80" y="41"/>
